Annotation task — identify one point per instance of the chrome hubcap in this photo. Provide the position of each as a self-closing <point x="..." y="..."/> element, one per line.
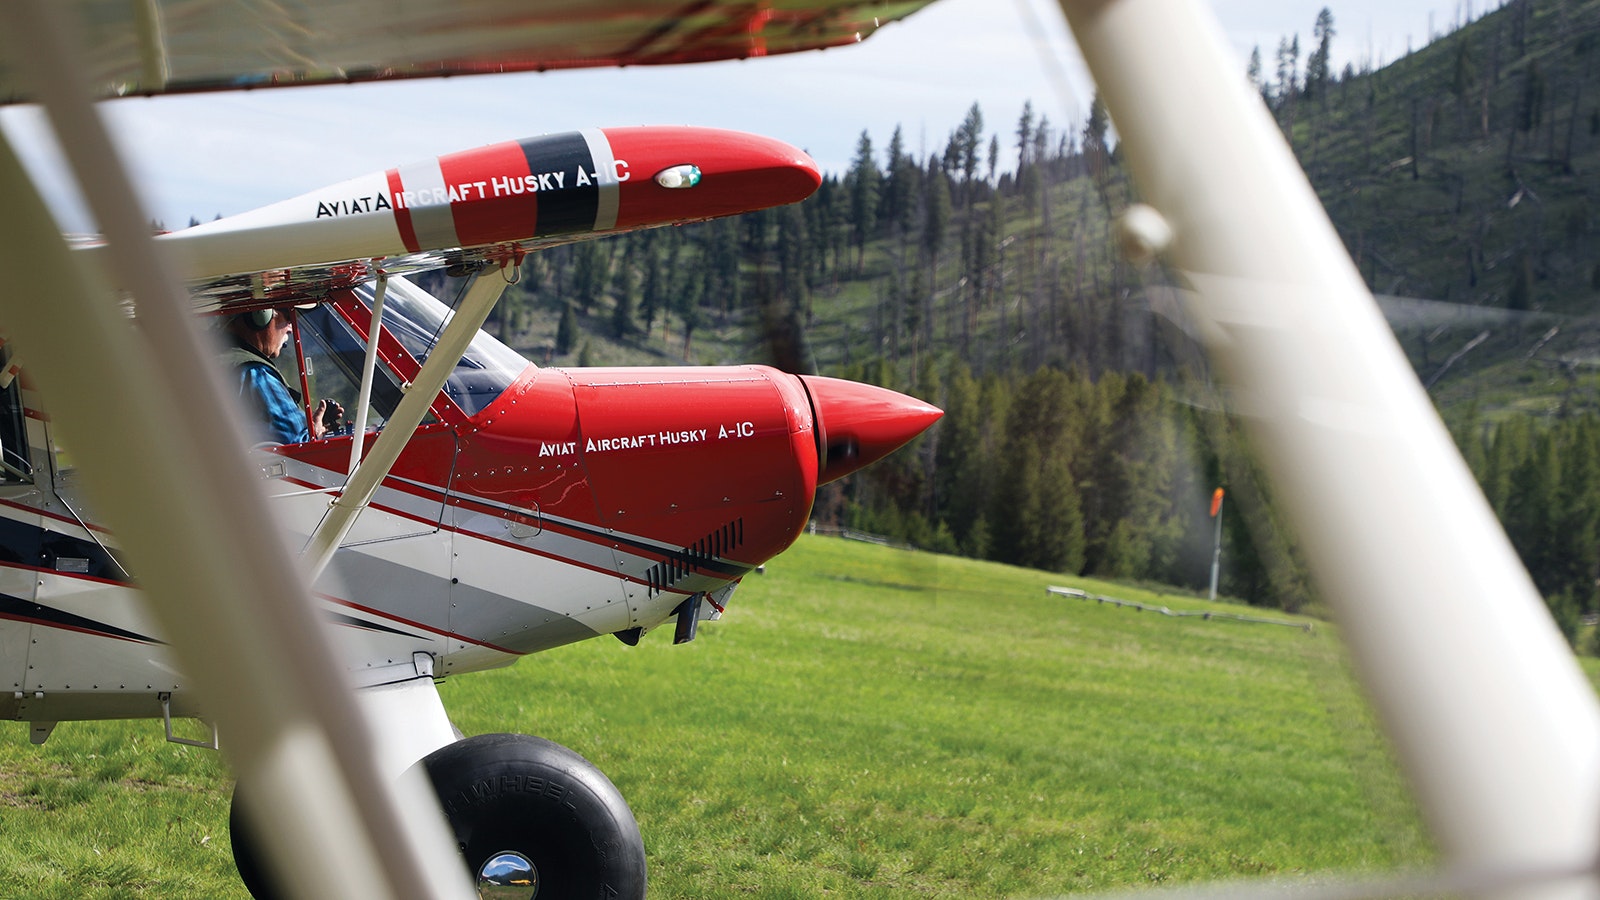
<point x="508" y="876"/>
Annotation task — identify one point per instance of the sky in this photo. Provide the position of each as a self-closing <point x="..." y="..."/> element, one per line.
<point x="199" y="156"/>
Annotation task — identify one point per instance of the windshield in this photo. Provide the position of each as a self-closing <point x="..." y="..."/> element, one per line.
<point x="416" y="319"/>
<point x="334" y="357"/>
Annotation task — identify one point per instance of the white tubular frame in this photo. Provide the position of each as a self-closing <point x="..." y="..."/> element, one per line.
<point x="1496" y="727"/>
<point x="176" y="488"/>
<point x="369" y="364"/>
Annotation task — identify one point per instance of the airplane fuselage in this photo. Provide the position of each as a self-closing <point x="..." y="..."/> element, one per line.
<point x="529" y="507"/>
<point x="548" y="507"/>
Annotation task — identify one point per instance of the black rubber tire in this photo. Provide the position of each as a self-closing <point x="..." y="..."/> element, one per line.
<point x="528" y="795"/>
<point x="247" y="856"/>
<point x="520" y="793"/>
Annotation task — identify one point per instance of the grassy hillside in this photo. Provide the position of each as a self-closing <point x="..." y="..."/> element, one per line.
<point x="1467" y="167"/>
<point x="1465" y="173"/>
<point x="864" y="722"/>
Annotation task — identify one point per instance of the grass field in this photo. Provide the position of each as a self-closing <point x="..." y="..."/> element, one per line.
<point x="864" y="722"/>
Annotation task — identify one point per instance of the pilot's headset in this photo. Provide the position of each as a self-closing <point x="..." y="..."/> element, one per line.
<point x="258" y="319"/>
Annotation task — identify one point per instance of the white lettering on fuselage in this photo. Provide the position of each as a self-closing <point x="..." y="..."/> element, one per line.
<point x="640" y="441"/>
<point x="557" y="448"/>
<point x="513" y="185"/>
<point x="737" y="430"/>
<point x="506" y="186"/>
<point x="352" y="206"/>
<point x="682" y="437"/>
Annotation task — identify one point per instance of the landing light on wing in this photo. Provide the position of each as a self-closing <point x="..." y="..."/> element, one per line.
<point x="685" y="176"/>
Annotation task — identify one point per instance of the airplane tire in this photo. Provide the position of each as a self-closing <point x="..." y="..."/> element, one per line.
<point x="534" y="799"/>
<point x="514" y="794"/>
<point x="247" y="856"/>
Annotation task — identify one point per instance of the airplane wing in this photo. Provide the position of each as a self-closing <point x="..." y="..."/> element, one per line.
<point x="174" y="46"/>
<point x="180" y="46"/>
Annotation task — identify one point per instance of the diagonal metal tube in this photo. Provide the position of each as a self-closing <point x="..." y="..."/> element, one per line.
<point x="173" y="486"/>
<point x="1496" y="727"/>
<point x="369" y="365"/>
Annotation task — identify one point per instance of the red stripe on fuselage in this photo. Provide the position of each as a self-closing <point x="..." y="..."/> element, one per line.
<point x="498" y="201"/>
<point x="402" y="216"/>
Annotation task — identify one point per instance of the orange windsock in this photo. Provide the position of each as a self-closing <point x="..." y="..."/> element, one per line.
<point x="1216" y="502"/>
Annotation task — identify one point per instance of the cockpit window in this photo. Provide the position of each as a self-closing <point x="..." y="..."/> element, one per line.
<point x="334" y="360"/>
<point x="417" y="319"/>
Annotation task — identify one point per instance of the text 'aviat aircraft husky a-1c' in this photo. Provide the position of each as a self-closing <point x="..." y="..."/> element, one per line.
<point x="451" y="506"/>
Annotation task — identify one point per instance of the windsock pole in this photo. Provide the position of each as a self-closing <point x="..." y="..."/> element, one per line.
<point x="1216" y="548"/>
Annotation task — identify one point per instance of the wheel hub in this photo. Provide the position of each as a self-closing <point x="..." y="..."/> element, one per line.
<point x="508" y="875"/>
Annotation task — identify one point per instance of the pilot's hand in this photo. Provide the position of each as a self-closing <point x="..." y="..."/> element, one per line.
<point x="331" y="412"/>
<point x="325" y="416"/>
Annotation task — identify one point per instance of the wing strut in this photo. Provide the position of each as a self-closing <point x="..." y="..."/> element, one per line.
<point x="1494" y="722"/>
<point x="215" y="570"/>
<point x="368" y="366"/>
<point x="419" y="395"/>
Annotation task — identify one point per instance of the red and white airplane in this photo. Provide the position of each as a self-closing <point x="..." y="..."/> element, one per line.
<point x="477" y="508"/>
<point x="1492" y="719"/>
<point x="509" y="510"/>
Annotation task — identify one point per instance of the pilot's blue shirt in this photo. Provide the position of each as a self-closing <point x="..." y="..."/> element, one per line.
<point x="269" y="402"/>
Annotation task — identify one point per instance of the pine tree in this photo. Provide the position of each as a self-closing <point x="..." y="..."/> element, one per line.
<point x="1288" y="83"/>
<point x="1024" y="136"/>
<point x="969" y="138"/>
<point x="960" y="459"/>
<point x="1529" y="508"/>
<point x="1037" y="517"/>
<point x="566" y="329"/>
<point x="1317" y="75"/>
<point x="1137" y="461"/>
<point x="1530" y="106"/>
<point x="863" y="185"/>
<point x="589" y="273"/>
<point x="936" y="211"/>
<point x="625" y="289"/>
<point x="1577" y="514"/>
<point x="896" y="206"/>
<point x="652" y="299"/>
<point x="1095" y="130"/>
<point x="720" y="283"/>
<point x="689" y="309"/>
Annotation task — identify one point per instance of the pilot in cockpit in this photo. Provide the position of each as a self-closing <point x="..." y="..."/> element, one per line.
<point x="254" y="340"/>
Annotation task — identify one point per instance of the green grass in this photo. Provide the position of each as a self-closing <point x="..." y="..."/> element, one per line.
<point x="863" y="722"/>
<point x="109" y="809"/>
